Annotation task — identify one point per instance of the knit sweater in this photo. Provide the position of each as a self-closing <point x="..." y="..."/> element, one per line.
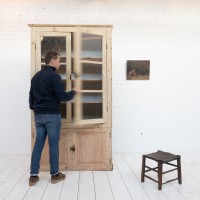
<point x="47" y="92"/>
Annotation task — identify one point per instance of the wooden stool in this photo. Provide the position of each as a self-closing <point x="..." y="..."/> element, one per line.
<point x="161" y="158"/>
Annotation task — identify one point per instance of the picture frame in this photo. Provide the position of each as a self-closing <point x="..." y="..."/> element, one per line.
<point x="138" y="70"/>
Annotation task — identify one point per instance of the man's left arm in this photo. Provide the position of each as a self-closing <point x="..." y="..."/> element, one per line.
<point x="31" y="98"/>
<point x="59" y="90"/>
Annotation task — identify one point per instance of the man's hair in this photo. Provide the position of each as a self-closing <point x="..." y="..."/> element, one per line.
<point x="51" y="55"/>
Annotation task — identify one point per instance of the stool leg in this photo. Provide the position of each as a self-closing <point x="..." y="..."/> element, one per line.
<point x="179" y="170"/>
<point x="160" y="175"/>
<point x="143" y="168"/>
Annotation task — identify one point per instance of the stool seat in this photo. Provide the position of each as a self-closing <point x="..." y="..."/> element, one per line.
<point x="161" y="158"/>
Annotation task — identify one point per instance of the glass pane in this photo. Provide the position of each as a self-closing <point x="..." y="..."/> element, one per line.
<point x="57" y="44"/>
<point x="92" y="106"/>
<point x="62" y="71"/>
<point x="91" y="47"/>
<point x="72" y="76"/>
<point x="63" y="110"/>
<point x="91" y="76"/>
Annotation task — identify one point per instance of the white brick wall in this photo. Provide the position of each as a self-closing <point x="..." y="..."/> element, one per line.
<point x="147" y="115"/>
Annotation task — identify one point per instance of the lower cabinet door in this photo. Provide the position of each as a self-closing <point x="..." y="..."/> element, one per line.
<point x="91" y="149"/>
<point x="80" y="149"/>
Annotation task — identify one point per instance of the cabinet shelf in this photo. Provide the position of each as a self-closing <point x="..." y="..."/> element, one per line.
<point x="89" y="77"/>
<point x="91" y="91"/>
<point x="92" y="80"/>
<point x="63" y="76"/>
<point x="91" y="38"/>
<point x="61" y="63"/>
<point x="91" y="98"/>
<point x="91" y="60"/>
<point x="62" y="59"/>
<point x="89" y="102"/>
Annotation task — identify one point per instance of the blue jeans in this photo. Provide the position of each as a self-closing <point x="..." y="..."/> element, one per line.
<point x="46" y="124"/>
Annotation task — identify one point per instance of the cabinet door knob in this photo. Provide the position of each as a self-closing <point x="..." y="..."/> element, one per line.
<point x="72" y="148"/>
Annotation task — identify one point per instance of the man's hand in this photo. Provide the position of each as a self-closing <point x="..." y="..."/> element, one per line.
<point x="77" y="90"/>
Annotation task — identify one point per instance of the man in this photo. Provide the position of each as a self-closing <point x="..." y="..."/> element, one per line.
<point x="45" y="96"/>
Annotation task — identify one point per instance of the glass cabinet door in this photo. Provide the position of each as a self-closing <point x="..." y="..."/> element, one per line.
<point x="90" y="69"/>
<point x="83" y="65"/>
<point x="60" y="43"/>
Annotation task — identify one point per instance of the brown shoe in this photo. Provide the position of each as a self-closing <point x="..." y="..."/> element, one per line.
<point x="33" y="180"/>
<point x="57" y="178"/>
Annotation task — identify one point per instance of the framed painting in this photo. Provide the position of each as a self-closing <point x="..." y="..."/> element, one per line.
<point x="138" y="70"/>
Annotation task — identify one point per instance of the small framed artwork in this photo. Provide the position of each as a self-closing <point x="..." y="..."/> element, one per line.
<point x="138" y="70"/>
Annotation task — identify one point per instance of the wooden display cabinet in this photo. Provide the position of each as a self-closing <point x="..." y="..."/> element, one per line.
<point x="85" y="51"/>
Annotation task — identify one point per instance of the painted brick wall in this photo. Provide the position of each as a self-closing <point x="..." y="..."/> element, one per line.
<point x="162" y="113"/>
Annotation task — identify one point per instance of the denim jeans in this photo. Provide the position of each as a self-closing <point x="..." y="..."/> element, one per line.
<point x="46" y="125"/>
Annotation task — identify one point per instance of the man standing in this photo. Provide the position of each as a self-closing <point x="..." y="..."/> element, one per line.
<point x="45" y="96"/>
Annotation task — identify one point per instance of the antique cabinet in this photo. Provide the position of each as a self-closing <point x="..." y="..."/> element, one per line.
<point x="86" y="133"/>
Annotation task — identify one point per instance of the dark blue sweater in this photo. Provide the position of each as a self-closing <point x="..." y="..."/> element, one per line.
<point x="47" y="92"/>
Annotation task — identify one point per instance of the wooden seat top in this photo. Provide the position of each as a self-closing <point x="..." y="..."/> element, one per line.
<point x="162" y="156"/>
